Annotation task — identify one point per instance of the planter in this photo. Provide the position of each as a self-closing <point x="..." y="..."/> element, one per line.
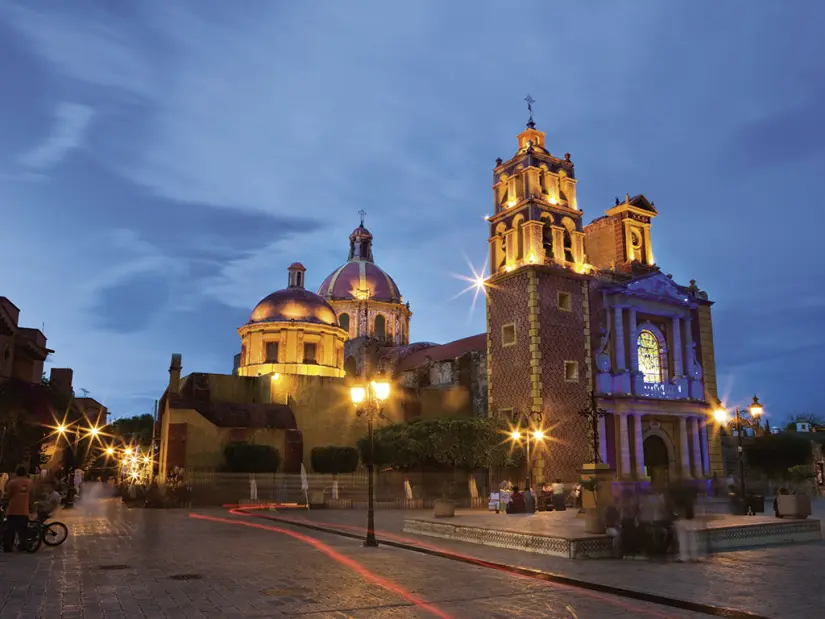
<point x="444" y="508"/>
<point x="793" y="506"/>
<point x="592" y="522"/>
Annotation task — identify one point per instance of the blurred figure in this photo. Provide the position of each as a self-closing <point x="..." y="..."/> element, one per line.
<point x="686" y="525"/>
<point x="629" y="517"/>
<point x="516" y="504"/>
<point x="612" y="525"/>
<point x="558" y="495"/>
<point x="50" y="503"/>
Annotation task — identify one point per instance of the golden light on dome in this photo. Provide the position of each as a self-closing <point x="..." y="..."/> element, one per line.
<point x="511" y="203"/>
<point x="532" y="258"/>
<point x="553" y="201"/>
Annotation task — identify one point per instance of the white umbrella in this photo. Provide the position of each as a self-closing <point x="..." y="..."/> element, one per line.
<point x="304" y="483"/>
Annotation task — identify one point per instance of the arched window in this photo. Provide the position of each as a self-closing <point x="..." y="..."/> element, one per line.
<point x="568" y="246"/>
<point x="517" y="236"/>
<point x="343" y="322"/>
<point x="547" y="238"/>
<point x="380" y="327"/>
<point x="650" y="356"/>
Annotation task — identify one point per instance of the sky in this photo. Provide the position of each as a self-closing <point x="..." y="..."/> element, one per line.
<point x="161" y="163"/>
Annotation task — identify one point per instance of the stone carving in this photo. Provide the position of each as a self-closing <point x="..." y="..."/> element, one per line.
<point x="659" y="286"/>
<point x="603" y="352"/>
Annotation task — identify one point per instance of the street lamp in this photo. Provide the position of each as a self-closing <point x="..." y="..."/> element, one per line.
<point x="721" y="417"/>
<point x="536" y="436"/>
<point x="369" y="403"/>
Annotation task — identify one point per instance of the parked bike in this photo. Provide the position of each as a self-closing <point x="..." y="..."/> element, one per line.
<point x="32" y="539"/>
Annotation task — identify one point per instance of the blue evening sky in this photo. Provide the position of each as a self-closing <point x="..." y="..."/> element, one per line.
<point x="162" y="162"/>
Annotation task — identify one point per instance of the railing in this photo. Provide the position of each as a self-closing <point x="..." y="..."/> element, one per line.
<point x="664" y="391"/>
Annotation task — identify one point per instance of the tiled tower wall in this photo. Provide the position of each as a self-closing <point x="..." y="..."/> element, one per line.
<point x="509" y="366"/>
<point x="565" y="336"/>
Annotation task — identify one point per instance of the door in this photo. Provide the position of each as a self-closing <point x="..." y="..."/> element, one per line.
<point x="657" y="461"/>
<point x="294" y="452"/>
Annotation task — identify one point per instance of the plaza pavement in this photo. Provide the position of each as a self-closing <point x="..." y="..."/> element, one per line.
<point x="128" y="564"/>
<point x="785" y="582"/>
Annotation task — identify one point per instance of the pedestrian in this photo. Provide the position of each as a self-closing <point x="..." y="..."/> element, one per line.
<point x="18" y="495"/>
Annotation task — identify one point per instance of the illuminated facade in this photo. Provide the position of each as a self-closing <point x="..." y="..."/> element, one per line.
<point x="292" y="331"/>
<point x="366" y="299"/>
<point x="579" y="311"/>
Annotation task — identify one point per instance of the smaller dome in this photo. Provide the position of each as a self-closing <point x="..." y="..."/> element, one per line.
<point x="361" y="232"/>
<point x="294" y="305"/>
<point x="296" y="266"/>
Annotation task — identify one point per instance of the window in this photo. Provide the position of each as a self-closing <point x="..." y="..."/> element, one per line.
<point x="568" y="246"/>
<point x="380" y="327"/>
<point x="272" y="352"/>
<point x="565" y="301"/>
<point x="343" y="322"/>
<point x="571" y="371"/>
<point x="310" y="352"/>
<point x="650" y="356"/>
<point x="547" y="238"/>
<point x="508" y="334"/>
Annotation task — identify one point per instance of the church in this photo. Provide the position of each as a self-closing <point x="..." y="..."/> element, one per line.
<point x="578" y="316"/>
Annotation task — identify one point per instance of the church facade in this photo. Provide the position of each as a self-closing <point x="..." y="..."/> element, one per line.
<point x="578" y="316"/>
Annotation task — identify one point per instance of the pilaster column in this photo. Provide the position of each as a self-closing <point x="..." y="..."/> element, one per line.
<point x="634" y="348"/>
<point x="510" y="240"/>
<point x="703" y="439"/>
<point x="602" y="440"/>
<point x="688" y="337"/>
<point x="697" y="448"/>
<point x="684" y="451"/>
<point x="648" y="247"/>
<point x="624" y="446"/>
<point x="678" y="369"/>
<point x="618" y="332"/>
<point x="638" y="446"/>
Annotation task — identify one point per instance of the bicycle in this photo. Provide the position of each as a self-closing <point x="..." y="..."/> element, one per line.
<point x="51" y="533"/>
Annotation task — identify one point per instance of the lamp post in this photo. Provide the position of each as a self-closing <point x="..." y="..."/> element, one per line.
<point x="721" y="416"/>
<point x="536" y="434"/>
<point x="369" y="403"/>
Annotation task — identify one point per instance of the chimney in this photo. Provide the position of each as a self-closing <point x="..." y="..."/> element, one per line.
<point x="61" y="380"/>
<point x="174" y="374"/>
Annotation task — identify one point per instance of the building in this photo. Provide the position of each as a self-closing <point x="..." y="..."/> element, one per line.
<point x="22" y="349"/>
<point x="577" y="315"/>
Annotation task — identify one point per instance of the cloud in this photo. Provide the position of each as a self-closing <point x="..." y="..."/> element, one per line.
<point x="70" y="125"/>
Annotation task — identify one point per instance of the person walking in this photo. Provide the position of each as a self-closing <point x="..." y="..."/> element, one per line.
<point x="18" y="495"/>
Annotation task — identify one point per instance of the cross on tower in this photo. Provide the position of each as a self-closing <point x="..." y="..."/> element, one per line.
<point x="530" y="101"/>
<point x="363" y="214"/>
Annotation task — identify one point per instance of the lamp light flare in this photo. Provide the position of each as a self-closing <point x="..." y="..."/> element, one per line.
<point x="381" y="390"/>
<point x="515" y="435"/>
<point x="358" y="394"/>
<point x="110" y="451"/>
<point x="720" y="415"/>
<point x="478" y="284"/>
<point x="61" y="429"/>
<point x="756" y="407"/>
<point x="538" y="435"/>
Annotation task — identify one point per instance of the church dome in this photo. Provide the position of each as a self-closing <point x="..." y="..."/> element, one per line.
<point x="360" y="278"/>
<point x="294" y="304"/>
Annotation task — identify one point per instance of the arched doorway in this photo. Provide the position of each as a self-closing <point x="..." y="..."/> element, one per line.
<point x="657" y="459"/>
<point x="351" y="367"/>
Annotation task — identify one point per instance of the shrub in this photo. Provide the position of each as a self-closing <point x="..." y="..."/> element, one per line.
<point x="332" y="459"/>
<point x="774" y="454"/>
<point x="243" y="457"/>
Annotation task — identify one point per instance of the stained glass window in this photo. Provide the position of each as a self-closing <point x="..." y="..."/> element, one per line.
<point x="650" y="358"/>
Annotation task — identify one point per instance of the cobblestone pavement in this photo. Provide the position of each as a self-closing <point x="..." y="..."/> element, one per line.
<point x="780" y="581"/>
<point x="127" y="564"/>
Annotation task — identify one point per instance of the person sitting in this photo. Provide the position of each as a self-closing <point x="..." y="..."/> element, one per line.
<point x="545" y="498"/>
<point x="50" y="505"/>
<point x="516" y="504"/>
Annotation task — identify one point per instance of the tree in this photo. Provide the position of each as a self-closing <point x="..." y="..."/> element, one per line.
<point x="334" y="460"/>
<point x="815" y="420"/>
<point x="243" y="457"/>
<point x="137" y="429"/>
<point x="443" y="443"/>
<point x="774" y="454"/>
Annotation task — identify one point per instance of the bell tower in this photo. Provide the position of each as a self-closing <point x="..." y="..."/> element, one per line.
<point x="538" y="303"/>
<point x="536" y="218"/>
<point x="621" y="239"/>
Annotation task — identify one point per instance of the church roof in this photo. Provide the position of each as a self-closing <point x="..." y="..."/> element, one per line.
<point x="444" y="352"/>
